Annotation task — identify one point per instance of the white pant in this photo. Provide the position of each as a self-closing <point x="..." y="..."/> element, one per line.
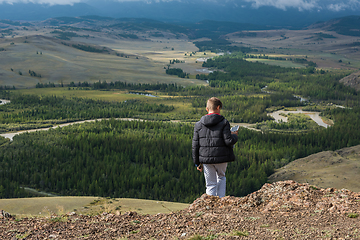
<point x="215" y="179"/>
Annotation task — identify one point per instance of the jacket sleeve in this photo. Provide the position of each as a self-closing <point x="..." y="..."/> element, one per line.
<point x="195" y="146"/>
<point x="230" y="139"/>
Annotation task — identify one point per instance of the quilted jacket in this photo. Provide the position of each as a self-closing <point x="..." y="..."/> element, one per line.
<point x="213" y="141"/>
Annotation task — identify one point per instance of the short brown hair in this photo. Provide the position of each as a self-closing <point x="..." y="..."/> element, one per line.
<point x="213" y="103"/>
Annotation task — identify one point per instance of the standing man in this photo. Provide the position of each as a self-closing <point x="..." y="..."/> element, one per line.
<point x="212" y="147"/>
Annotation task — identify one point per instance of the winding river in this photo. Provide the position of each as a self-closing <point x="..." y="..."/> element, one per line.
<point x="3" y="101"/>
<point x="12" y="134"/>
<point x="315" y="116"/>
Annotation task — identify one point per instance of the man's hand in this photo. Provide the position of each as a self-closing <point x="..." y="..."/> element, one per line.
<point x="236" y="133"/>
<point x="200" y="168"/>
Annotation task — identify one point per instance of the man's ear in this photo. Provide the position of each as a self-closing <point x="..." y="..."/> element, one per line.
<point x="207" y="109"/>
<point x="218" y="108"/>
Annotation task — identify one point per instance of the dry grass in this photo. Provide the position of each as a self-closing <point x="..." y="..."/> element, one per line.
<point x="325" y="52"/>
<point x="338" y="169"/>
<point x="46" y="206"/>
<point x="277" y="62"/>
<point x="62" y="64"/>
<point x="59" y="63"/>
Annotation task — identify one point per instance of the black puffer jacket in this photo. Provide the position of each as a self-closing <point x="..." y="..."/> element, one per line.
<point x="213" y="141"/>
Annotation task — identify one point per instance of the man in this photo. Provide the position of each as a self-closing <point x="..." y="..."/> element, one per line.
<point x="212" y="147"/>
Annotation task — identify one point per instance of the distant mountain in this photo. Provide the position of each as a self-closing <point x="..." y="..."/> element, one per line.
<point x="195" y="11"/>
<point x="172" y="11"/>
<point x="37" y="12"/>
<point x="206" y="28"/>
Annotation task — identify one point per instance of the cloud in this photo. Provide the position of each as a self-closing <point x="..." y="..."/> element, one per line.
<point x="285" y="4"/>
<point x="340" y="6"/>
<point x="333" y="5"/>
<point x="49" y="2"/>
<point x="301" y="5"/>
<point x="337" y="7"/>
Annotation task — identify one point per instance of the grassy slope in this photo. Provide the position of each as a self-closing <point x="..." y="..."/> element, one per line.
<point x="277" y="63"/>
<point x="338" y="169"/>
<point x="85" y="205"/>
<point x="59" y="63"/>
<point x="326" y="52"/>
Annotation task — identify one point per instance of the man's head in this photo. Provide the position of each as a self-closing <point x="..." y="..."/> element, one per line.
<point x="213" y="105"/>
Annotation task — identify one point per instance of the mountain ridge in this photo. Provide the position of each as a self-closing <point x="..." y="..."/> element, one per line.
<point x="348" y="25"/>
<point x="172" y="11"/>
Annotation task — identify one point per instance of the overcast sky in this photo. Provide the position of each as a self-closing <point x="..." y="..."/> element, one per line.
<point x="301" y="5"/>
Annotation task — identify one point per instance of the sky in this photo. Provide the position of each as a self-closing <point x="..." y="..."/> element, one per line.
<point x="301" y="5"/>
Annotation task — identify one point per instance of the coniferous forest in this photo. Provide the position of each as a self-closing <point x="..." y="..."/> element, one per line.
<point x="152" y="159"/>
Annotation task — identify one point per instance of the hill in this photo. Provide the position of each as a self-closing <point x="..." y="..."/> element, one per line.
<point x="282" y="210"/>
<point x="349" y="25"/>
<point x="90" y="48"/>
<point x="353" y="80"/>
<point x="141" y="26"/>
<point x="323" y="169"/>
<point x="63" y="57"/>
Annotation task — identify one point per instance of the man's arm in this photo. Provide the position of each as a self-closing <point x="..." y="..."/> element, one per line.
<point x="230" y="138"/>
<point x="195" y="146"/>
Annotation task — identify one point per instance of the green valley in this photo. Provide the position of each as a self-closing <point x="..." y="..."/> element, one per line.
<point x="140" y="146"/>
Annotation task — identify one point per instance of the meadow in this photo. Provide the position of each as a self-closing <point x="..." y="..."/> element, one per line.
<point x="48" y="206"/>
<point x="61" y="64"/>
<point x="326" y="52"/>
<point x="278" y="63"/>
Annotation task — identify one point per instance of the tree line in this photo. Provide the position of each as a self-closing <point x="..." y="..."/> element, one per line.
<point x="32" y="111"/>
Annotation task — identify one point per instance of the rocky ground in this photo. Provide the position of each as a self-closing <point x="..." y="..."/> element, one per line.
<point x="282" y="210"/>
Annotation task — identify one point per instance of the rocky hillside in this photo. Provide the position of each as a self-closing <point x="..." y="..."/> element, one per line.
<point x="282" y="210"/>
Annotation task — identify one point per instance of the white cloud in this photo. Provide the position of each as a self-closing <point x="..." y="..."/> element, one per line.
<point x="50" y="2"/>
<point x="337" y="7"/>
<point x="340" y="6"/>
<point x="333" y="5"/>
<point x="285" y="4"/>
